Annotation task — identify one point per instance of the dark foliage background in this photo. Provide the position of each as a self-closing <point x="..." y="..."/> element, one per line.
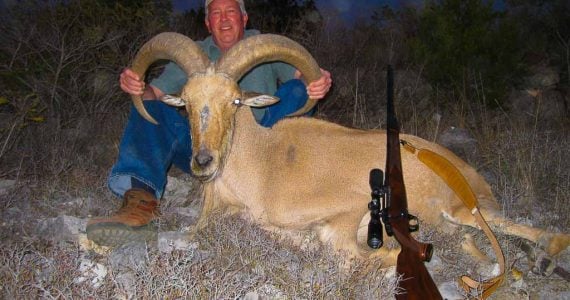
<point x="61" y="67"/>
<point x="459" y="64"/>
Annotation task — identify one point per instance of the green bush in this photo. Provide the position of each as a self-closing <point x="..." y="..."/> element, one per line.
<point x="467" y="47"/>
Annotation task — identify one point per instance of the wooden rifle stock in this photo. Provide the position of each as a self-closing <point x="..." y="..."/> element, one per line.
<point x="416" y="281"/>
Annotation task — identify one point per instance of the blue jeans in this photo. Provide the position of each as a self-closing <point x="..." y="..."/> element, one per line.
<point x="147" y="151"/>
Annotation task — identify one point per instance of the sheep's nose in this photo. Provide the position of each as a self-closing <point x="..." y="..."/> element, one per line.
<point x="203" y="159"/>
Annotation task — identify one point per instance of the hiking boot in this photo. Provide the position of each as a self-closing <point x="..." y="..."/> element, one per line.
<point x="133" y="221"/>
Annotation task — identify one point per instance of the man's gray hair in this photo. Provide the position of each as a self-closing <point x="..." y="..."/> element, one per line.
<point x="240" y="2"/>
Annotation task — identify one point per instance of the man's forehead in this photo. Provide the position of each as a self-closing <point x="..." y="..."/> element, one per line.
<point x="240" y="2"/>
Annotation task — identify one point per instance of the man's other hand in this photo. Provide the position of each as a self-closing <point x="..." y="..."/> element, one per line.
<point x="319" y="88"/>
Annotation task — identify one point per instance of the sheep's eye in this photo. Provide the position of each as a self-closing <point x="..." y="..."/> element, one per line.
<point x="237" y="102"/>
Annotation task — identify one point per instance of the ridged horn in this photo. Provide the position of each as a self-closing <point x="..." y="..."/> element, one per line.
<point x="171" y="46"/>
<point x="263" y="48"/>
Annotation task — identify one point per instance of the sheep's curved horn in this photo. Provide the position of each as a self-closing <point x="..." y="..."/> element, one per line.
<point x="171" y="46"/>
<point x="262" y="48"/>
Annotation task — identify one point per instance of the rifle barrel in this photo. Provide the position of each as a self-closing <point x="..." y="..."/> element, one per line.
<point x="416" y="282"/>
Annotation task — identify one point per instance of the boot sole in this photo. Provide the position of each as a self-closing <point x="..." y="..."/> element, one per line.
<point x="116" y="234"/>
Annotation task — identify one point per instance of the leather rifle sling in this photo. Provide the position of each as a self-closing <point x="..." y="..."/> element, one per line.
<point x="457" y="182"/>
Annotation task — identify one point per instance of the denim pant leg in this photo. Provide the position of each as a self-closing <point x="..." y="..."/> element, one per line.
<point x="292" y="95"/>
<point x="147" y="151"/>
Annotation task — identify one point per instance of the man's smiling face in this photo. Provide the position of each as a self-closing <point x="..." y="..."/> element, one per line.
<point x="226" y="23"/>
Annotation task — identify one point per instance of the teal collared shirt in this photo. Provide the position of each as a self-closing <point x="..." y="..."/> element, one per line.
<point x="262" y="79"/>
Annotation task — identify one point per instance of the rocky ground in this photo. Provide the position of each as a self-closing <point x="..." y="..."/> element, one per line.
<point x="45" y="254"/>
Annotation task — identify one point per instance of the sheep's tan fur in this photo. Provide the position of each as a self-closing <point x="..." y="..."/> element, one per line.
<point x="304" y="173"/>
<point x="309" y="174"/>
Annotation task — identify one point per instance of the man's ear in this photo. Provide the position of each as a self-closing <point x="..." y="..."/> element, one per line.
<point x="258" y="100"/>
<point x="207" y="25"/>
<point x="245" y="18"/>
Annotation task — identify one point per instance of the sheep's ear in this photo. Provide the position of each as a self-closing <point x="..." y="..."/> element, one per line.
<point x="257" y="100"/>
<point x="173" y="100"/>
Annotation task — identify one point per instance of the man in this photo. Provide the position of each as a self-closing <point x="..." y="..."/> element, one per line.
<point x="147" y="151"/>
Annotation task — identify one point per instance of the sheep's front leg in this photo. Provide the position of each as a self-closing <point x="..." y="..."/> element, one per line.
<point x="341" y="232"/>
<point x="210" y="204"/>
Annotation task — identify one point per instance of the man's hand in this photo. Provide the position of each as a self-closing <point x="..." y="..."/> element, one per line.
<point x="131" y="83"/>
<point x="318" y="89"/>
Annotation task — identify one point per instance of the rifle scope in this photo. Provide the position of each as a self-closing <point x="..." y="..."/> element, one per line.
<point x="375" y="237"/>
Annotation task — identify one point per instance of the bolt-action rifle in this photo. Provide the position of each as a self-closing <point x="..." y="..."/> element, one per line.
<point x="389" y="205"/>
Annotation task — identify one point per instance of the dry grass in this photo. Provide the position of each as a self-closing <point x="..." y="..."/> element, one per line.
<point x="234" y="257"/>
<point x="61" y="169"/>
